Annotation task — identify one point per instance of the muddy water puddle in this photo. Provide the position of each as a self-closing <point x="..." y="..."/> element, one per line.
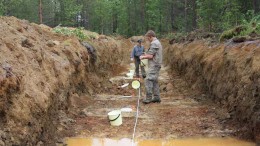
<point x="176" y="142"/>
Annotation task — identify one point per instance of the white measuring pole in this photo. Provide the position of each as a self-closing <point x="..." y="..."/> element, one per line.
<point x="137" y="114"/>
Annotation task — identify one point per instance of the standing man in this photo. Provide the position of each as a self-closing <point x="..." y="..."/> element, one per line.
<point x="154" y="56"/>
<point x="138" y="50"/>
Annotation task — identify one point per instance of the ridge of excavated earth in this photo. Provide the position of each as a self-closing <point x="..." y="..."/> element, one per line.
<point x="41" y="72"/>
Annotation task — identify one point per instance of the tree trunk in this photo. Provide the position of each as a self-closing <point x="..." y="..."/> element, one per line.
<point x="185" y="15"/>
<point x="160" y="13"/>
<point x="172" y="16"/>
<point x="143" y="14"/>
<point x="194" y="17"/>
<point x="85" y="20"/>
<point x="62" y="12"/>
<point x="256" y="5"/>
<point x="129" y="32"/>
<point x="40" y="11"/>
<point x="114" y="21"/>
<point x="135" y="16"/>
<point x="86" y="10"/>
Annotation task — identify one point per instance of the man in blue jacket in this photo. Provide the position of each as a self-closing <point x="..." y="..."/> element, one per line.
<point x="137" y="51"/>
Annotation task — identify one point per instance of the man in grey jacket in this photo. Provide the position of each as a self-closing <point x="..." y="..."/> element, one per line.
<point x="154" y="56"/>
<point x="137" y="51"/>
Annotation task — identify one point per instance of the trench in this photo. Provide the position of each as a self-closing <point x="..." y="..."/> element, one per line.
<point x="186" y="116"/>
<point x="54" y="92"/>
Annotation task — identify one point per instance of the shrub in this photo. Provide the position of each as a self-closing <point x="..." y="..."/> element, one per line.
<point x="78" y="32"/>
<point x="229" y="34"/>
<point x="249" y="28"/>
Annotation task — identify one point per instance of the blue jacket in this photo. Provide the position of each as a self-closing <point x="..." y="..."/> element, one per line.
<point x="137" y="51"/>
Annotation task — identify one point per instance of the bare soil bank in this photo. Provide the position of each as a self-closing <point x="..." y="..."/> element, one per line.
<point x="229" y="73"/>
<point x="40" y="73"/>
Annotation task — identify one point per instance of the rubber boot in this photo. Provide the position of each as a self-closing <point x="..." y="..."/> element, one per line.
<point x="158" y="100"/>
<point x="147" y="100"/>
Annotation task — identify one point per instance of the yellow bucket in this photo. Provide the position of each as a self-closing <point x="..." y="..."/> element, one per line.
<point x="136" y="84"/>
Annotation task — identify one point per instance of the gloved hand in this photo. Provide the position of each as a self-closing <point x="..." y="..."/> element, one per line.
<point x="132" y="59"/>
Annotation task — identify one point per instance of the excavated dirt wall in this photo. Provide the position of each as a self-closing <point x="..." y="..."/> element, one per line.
<point x="40" y="72"/>
<point x="229" y="73"/>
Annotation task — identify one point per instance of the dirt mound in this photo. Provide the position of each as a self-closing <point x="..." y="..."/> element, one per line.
<point x="40" y="71"/>
<point x="136" y="38"/>
<point x="193" y="36"/>
<point x="229" y="73"/>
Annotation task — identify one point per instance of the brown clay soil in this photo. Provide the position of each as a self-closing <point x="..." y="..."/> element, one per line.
<point x="229" y="74"/>
<point x="51" y="89"/>
<point x="187" y="109"/>
<point x="183" y="113"/>
<point x="41" y="72"/>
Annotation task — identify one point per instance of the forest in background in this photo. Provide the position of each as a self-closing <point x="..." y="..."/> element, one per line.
<point x="135" y="17"/>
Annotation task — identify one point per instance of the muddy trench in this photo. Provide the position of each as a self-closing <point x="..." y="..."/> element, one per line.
<point x="229" y="75"/>
<point x="189" y="107"/>
<point x="56" y="90"/>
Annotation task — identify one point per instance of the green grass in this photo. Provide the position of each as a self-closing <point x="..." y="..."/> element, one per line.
<point x="247" y="29"/>
<point x="78" y="32"/>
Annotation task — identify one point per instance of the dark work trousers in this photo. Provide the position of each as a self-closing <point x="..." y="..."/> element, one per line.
<point x="137" y="64"/>
<point x="151" y="82"/>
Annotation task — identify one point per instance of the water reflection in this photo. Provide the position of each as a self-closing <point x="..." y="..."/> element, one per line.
<point x="177" y="142"/>
<point x="99" y="142"/>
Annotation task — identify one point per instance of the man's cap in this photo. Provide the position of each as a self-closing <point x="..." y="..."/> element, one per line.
<point x="139" y="41"/>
